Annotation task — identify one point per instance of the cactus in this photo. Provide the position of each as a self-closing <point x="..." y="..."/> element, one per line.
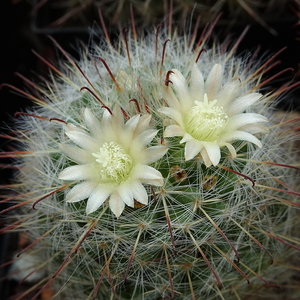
<point x="155" y="169"/>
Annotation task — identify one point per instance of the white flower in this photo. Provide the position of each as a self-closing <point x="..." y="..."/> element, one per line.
<point x="112" y="160"/>
<point x="209" y="114"/>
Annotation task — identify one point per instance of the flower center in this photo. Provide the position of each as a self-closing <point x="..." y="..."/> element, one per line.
<point x="115" y="164"/>
<point x="205" y="120"/>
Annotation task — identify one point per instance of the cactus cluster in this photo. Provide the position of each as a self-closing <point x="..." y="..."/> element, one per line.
<point x="155" y="168"/>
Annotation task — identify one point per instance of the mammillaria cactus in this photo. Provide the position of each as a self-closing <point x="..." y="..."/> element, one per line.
<point x="155" y="169"/>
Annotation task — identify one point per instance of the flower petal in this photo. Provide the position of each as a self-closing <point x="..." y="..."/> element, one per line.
<point x="78" y="172"/>
<point x="180" y="86"/>
<point x="148" y="175"/>
<point x="92" y="124"/>
<point x="72" y="127"/>
<point x="187" y="137"/>
<point x="75" y="153"/>
<point x="125" y="193"/>
<point x="192" y="148"/>
<point x="106" y="119"/>
<point x="213" y="153"/>
<point x="240" y="104"/>
<point x="170" y="97"/>
<point x="132" y="123"/>
<point x="82" y="139"/>
<point x="139" y="193"/>
<point x="117" y="118"/>
<point x="205" y="157"/>
<point x="172" y="113"/>
<point x="129" y="129"/>
<point x="240" y="120"/>
<point x="111" y="124"/>
<point x="143" y="123"/>
<point x="231" y="149"/>
<point x="154" y="153"/>
<point x="173" y="130"/>
<point x="213" y="82"/>
<point x="116" y="204"/>
<point x="147" y="136"/>
<point x="228" y="92"/>
<point x="254" y="128"/>
<point x="97" y="197"/>
<point x="196" y="84"/>
<point x="242" y="135"/>
<point x="80" y="191"/>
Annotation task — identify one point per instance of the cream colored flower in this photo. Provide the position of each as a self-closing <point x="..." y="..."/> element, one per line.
<point x="112" y="161"/>
<point x="209" y="114"/>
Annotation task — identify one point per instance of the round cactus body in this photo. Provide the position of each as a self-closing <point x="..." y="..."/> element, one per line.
<point x="156" y="169"/>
